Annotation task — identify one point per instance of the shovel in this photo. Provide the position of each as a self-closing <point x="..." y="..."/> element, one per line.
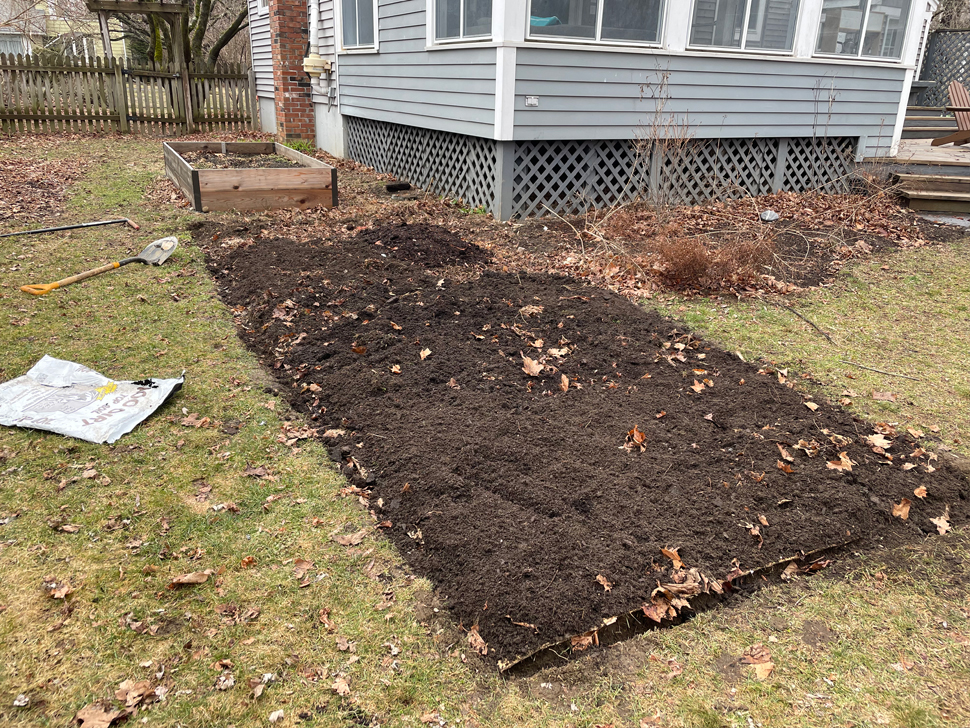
<point x="154" y="253"/>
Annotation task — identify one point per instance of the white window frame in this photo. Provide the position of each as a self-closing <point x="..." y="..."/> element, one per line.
<point x="462" y="38"/>
<point x="598" y="30"/>
<point x="262" y="7"/>
<point x="862" y="35"/>
<point x="744" y="35"/>
<point x="339" y="29"/>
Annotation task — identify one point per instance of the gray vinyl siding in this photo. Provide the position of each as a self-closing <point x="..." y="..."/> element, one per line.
<point x="448" y="89"/>
<point x="259" y="42"/>
<point x="326" y="43"/>
<point x="601" y="95"/>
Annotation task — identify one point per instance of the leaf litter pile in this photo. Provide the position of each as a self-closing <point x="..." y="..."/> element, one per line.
<point x="549" y="454"/>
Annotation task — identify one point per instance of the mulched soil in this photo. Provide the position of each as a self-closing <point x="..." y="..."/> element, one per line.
<point x="539" y="501"/>
<point x="218" y="160"/>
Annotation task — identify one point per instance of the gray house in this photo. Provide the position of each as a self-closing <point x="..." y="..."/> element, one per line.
<point x="523" y="105"/>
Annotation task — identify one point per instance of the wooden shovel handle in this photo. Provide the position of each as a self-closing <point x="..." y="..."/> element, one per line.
<point x="41" y="289"/>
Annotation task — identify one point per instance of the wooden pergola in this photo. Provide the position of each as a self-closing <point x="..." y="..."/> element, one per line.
<point x="174" y="13"/>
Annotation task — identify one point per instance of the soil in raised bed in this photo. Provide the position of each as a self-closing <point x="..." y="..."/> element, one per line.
<point x="520" y="494"/>
<point x="231" y="160"/>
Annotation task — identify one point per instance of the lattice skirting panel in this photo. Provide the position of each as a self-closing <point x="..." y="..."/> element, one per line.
<point x="519" y="179"/>
<point x="947" y="59"/>
<point x="444" y="163"/>
<point x="568" y="177"/>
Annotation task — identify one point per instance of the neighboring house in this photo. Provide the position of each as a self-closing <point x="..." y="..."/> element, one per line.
<point x="71" y="30"/>
<point x="20" y="22"/>
<point x="516" y="105"/>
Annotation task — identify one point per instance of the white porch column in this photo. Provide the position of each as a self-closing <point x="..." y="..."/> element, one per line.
<point x="508" y="28"/>
<point x="806" y="29"/>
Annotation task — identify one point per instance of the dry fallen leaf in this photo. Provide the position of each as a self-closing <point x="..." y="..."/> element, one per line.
<point x="564" y="383"/>
<point x="884" y="396"/>
<point x="785" y="455"/>
<point x="920" y="492"/>
<point x="811" y="405"/>
<point x="759" y="659"/>
<point x="277" y="715"/>
<point x="531" y="366"/>
<point x="476" y="642"/>
<point x="99" y="715"/>
<point x="247" y="562"/>
<point x="606" y="583"/>
<point x="674" y="556"/>
<point x="395" y="369"/>
<point x="942" y="523"/>
<point x="58" y="590"/>
<point x="880" y="441"/>
<point x="425" y="353"/>
<point x="584" y="641"/>
<point x="351" y="539"/>
<point x="196" y="577"/>
<point x="785" y="467"/>
<point x="636" y="439"/>
<point x="256" y="471"/>
<point x="842" y="464"/>
<point x="301" y="567"/>
<point x="341" y="685"/>
<point x="698" y="386"/>
<point x="901" y="509"/>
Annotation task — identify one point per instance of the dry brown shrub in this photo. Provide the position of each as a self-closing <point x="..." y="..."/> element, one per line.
<point x="718" y="260"/>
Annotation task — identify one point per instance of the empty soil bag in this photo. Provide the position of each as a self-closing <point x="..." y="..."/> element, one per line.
<point x="70" y="399"/>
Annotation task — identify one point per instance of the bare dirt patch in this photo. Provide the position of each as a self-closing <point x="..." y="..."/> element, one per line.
<point x="549" y="454"/>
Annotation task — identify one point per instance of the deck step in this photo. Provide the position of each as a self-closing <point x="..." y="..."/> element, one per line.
<point x="926" y="110"/>
<point x="926" y="133"/>
<point x="934" y="205"/>
<point x="935" y="200"/>
<point x="933" y="183"/>
<point x="945" y="122"/>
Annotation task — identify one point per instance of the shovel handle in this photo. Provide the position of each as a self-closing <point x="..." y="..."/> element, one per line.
<point x="42" y="288"/>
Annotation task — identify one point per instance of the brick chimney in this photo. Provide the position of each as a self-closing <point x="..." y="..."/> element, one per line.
<point x="294" y="106"/>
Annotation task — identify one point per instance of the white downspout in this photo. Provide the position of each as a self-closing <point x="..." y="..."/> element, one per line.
<point x="314" y="64"/>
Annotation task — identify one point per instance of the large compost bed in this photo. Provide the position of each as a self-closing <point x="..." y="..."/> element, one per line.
<point x="549" y="454"/>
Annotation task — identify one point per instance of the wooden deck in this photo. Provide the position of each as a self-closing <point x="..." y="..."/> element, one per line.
<point x="935" y="179"/>
<point x="919" y="152"/>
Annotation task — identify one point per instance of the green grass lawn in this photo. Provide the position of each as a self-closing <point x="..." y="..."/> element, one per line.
<point x="344" y="635"/>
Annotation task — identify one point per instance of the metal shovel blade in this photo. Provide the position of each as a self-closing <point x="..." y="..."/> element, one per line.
<point x="157" y="253"/>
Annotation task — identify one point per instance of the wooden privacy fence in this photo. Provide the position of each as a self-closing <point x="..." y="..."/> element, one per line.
<point x="104" y="95"/>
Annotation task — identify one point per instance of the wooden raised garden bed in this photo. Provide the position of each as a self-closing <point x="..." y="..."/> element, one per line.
<point x="308" y="182"/>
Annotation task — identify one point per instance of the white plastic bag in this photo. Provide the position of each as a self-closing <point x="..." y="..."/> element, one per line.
<point x="70" y="399"/>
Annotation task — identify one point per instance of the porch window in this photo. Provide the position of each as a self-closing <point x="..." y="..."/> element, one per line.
<point x="457" y="19"/>
<point x="636" y="21"/>
<point x="863" y="28"/>
<point x="357" y="18"/>
<point x="767" y="25"/>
